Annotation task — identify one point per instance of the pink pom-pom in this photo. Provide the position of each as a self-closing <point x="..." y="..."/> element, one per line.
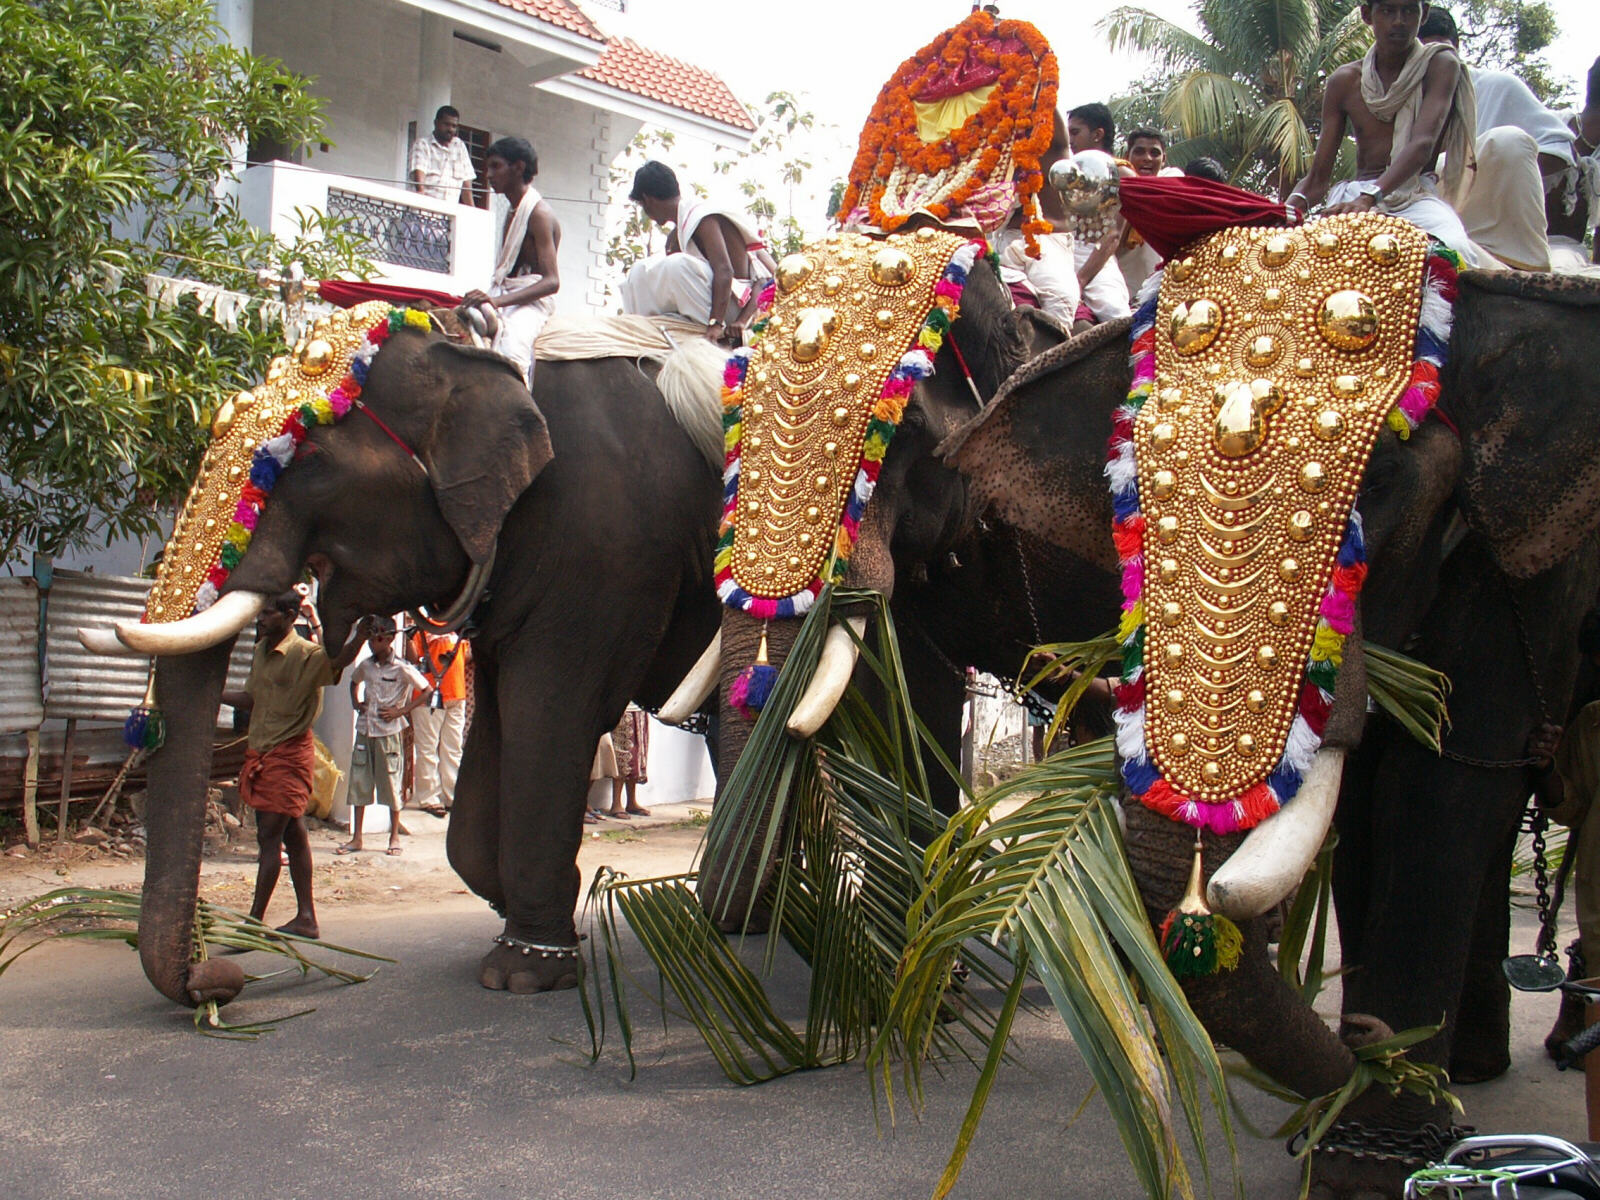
<point x="1339" y="610"/>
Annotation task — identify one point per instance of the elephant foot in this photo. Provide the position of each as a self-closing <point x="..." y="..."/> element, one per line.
<point x="524" y="967"/>
<point x="1467" y="1068"/>
<point x="218" y="979"/>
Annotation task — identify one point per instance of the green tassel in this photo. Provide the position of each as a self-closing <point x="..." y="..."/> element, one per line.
<point x="1195" y="941"/>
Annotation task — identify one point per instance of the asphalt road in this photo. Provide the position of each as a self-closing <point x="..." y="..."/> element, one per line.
<point x="420" y="1083"/>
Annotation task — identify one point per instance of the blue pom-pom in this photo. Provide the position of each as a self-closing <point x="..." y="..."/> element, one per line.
<point x="133" y="729"/>
<point x="758" y="688"/>
<point x="1139" y="774"/>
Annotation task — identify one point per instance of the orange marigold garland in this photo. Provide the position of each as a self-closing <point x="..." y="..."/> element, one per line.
<point x="986" y="166"/>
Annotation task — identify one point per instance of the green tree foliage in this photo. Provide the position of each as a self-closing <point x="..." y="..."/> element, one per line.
<point x="1247" y="90"/>
<point x="1511" y="35"/>
<point x="118" y="121"/>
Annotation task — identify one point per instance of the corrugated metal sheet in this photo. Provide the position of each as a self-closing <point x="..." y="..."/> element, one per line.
<point x="79" y="683"/>
<point x="97" y="755"/>
<point x="20" y="704"/>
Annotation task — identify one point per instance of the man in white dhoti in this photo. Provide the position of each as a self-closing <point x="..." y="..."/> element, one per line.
<point x="1407" y="104"/>
<point x="713" y="264"/>
<point x="1524" y="153"/>
<point x="526" y="278"/>
<point x="1050" y="281"/>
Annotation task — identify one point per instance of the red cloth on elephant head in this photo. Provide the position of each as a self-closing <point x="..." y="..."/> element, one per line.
<point x="347" y="293"/>
<point x="1170" y="211"/>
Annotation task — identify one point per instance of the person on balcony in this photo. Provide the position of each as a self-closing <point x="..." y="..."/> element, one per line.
<point x="441" y="165"/>
<point x="521" y="295"/>
<point x="713" y="260"/>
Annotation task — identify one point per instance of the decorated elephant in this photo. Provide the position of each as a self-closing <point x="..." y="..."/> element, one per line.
<point x="576" y="533"/>
<point x="989" y="530"/>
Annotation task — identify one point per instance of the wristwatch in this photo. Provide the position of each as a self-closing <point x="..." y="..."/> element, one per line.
<point x="1370" y="187"/>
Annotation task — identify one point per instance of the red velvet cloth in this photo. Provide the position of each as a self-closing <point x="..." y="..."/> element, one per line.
<point x="347" y="293"/>
<point x="1170" y="211"/>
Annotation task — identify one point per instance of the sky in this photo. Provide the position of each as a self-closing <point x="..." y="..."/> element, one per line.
<point x="840" y="52"/>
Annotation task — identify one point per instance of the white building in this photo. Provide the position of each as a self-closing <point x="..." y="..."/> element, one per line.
<point x="540" y="69"/>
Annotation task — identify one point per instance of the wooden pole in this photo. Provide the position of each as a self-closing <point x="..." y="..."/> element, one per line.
<point x="30" y="792"/>
<point x="66" y="780"/>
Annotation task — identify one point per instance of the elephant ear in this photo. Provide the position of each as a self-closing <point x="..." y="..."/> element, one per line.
<point x="1035" y="455"/>
<point x="488" y="442"/>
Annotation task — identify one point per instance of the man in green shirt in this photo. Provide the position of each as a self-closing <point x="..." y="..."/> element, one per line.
<point x="283" y="697"/>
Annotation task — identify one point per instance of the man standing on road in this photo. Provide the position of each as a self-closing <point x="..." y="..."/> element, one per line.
<point x="283" y="697"/>
<point x="441" y="165"/>
<point x="383" y="690"/>
<point x="439" y="727"/>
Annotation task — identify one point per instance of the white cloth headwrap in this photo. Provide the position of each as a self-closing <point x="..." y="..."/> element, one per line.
<point x="1402" y="103"/>
<point x="516" y="232"/>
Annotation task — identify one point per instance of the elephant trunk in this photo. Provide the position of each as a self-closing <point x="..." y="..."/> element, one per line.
<point x="727" y="889"/>
<point x="189" y="688"/>
<point x="1250" y="1008"/>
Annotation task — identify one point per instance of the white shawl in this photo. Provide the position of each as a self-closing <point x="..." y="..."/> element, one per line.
<point x="516" y="232"/>
<point x="692" y="212"/>
<point x="1402" y="103"/>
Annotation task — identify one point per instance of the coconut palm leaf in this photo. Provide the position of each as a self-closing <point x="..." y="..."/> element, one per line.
<point x="1209" y="102"/>
<point x="1279" y="135"/>
<point x="1171" y="47"/>
<point x="1272" y="27"/>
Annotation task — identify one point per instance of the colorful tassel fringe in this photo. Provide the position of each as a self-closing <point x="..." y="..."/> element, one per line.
<point x="1336" y="614"/>
<point x="1195" y="945"/>
<point x="146" y="728"/>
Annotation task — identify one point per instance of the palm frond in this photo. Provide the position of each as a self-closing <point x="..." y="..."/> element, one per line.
<point x="1279" y="135"/>
<point x="1209" y="102"/>
<point x="1413" y="693"/>
<point x="101" y="914"/>
<point x="1171" y="47"/>
<point x="1260" y="29"/>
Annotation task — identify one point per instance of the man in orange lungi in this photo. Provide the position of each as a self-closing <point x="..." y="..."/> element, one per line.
<point x="283" y="697"/>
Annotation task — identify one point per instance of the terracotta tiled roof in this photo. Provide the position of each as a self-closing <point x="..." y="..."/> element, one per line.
<point x="559" y="13"/>
<point x="630" y="67"/>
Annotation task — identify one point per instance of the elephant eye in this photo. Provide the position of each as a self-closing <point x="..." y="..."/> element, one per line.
<point x="305" y="450"/>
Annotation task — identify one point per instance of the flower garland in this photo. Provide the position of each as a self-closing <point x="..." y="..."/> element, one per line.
<point x="916" y="364"/>
<point x="275" y="453"/>
<point x="1336" y="614"/>
<point x="1016" y="120"/>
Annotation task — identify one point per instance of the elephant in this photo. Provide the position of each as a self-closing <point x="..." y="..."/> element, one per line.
<point x="588" y="514"/>
<point x="989" y="530"/>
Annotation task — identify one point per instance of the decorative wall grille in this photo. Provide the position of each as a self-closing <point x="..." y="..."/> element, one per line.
<point x="396" y="233"/>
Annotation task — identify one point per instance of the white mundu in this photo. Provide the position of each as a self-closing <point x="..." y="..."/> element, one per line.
<point x="1504" y="207"/>
<point x="1052" y="277"/>
<point x="681" y="283"/>
<point x="520" y="324"/>
<point x="1106" y="295"/>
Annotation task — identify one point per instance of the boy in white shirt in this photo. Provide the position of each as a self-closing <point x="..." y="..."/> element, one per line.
<point x="383" y="689"/>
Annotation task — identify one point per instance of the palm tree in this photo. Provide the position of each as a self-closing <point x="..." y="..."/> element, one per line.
<point x="1248" y="90"/>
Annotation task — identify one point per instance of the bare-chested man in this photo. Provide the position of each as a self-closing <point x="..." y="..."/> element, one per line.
<point x="1406" y="104"/>
<point x="526" y="276"/>
<point x="1105" y="291"/>
<point x="712" y="263"/>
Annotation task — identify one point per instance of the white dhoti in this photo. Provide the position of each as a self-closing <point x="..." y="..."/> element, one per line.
<point x="1504" y="208"/>
<point x="521" y="324"/>
<point x="1052" y="277"/>
<point x="1137" y="264"/>
<point x="680" y="285"/>
<point x="1427" y="210"/>
<point x="1107" y="293"/>
<point x="438" y="734"/>
<point x="1568" y="256"/>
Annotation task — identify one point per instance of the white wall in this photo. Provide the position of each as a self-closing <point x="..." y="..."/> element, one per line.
<point x="362" y="57"/>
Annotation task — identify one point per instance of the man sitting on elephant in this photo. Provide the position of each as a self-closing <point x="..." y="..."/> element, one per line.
<point x="526" y="276"/>
<point x="713" y="259"/>
<point x="1406" y="103"/>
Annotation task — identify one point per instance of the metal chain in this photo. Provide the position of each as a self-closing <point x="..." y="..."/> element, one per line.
<point x="1536" y="823"/>
<point x="1421" y="1146"/>
<point x="1027" y="586"/>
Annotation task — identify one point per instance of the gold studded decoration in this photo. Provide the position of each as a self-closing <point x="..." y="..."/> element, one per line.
<point x="239" y="425"/>
<point x="836" y="332"/>
<point x="1270" y="394"/>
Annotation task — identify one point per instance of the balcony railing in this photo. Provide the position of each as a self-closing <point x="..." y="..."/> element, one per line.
<point x="412" y="239"/>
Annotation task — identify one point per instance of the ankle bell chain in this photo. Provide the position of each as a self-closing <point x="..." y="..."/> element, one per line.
<point x="527" y="948"/>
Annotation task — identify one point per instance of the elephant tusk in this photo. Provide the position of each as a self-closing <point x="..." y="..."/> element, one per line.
<point x="699" y="683"/>
<point x="102" y="641"/>
<point x="1276" y="854"/>
<point x="827" y="686"/>
<point x="215" y="625"/>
